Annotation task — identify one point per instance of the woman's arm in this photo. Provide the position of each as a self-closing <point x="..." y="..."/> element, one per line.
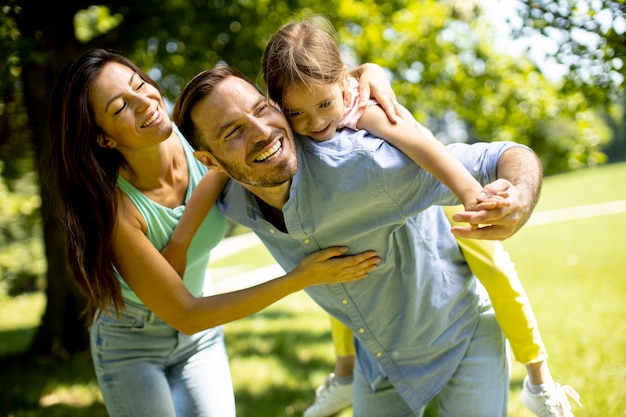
<point x="160" y="288"/>
<point x="198" y="206"/>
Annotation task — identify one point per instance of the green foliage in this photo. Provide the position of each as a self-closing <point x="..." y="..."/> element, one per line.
<point x="448" y="74"/>
<point x="589" y="38"/>
<point x="22" y="261"/>
<point x="94" y="21"/>
<point x="440" y="55"/>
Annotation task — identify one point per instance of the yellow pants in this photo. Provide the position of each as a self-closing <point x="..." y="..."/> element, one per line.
<point x="492" y="265"/>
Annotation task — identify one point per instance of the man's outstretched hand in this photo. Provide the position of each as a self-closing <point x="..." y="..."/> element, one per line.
<point x="500" y="213"/>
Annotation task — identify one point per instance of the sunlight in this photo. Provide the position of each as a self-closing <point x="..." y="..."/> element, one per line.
<point x="75" y="395"/>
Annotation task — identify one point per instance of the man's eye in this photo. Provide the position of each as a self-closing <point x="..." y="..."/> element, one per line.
<point x="262" y="109"/>
<point x="231" y="133"/>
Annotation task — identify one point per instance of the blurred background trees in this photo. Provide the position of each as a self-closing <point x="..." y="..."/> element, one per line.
<point x="549" y="74"/>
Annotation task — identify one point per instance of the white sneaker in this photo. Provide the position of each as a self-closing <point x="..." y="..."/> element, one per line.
<point x="330" y="398"/>
<point x="550" y="403"/>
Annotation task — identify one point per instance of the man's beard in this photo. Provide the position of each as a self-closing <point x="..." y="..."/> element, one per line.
<point x="258" y="178"/>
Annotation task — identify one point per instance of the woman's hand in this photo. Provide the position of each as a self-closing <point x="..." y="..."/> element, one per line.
<point x="329" y="266"/>
<point x="374" y="83"/>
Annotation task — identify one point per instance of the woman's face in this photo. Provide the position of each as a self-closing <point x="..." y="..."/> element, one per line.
<point x="314" y="111"/>
<point x="129" y="110"/>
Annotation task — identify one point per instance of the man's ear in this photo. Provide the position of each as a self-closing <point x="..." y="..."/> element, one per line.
<point x="106" y="142"/>
<point x="207" y="160"/>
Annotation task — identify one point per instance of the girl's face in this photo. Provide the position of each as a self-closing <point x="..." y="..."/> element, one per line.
<point x="129" y="111"/>
<point x="314" y="111"/>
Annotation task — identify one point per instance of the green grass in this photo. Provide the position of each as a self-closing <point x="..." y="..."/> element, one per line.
<point x="573" y="272"/>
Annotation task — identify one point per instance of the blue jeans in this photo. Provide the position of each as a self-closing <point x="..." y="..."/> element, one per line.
<point x="479" y="387"/>
<point x="145" y="368"/>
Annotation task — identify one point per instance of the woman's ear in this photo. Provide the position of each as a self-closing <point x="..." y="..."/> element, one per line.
<point x="106" y="142"/>
<point x="207" y="160"/>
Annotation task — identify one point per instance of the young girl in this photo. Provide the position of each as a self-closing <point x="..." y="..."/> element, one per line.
<point x="305" y="76"/>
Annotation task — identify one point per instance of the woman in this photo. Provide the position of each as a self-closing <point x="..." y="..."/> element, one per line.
<point x="124" y="174"/>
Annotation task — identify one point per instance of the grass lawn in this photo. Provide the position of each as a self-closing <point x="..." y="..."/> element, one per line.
<point x="573" y="271"/>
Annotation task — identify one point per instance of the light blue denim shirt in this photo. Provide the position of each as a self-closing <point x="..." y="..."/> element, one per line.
<point x="414" y="315"/>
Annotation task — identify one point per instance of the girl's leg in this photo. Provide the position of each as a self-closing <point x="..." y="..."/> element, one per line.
<point x="491" y="264"/>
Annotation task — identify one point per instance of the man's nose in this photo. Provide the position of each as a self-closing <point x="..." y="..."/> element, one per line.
<point x="259" y="130"/>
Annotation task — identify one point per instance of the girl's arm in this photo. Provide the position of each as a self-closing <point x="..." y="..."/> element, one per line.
<point x="160" y="288"/>
<point x="425" y="152"/>
<point x="198" y="206"/>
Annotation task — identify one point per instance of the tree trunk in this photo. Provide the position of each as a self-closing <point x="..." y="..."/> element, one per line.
<point x="47" y="33"/>
<point x="49" y="28"/>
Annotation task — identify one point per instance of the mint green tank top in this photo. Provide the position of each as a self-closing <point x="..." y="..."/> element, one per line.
<point x="161" y="221"/>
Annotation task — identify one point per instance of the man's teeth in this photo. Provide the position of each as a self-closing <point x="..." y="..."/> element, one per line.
<point x="271" y="151"/>
<point x="152" y="119"/>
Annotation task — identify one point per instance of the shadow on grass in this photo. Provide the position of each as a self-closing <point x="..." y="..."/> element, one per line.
<point x="284" y="348"/>
<point x="37" y="386"/>
<point x="52" y="387"/>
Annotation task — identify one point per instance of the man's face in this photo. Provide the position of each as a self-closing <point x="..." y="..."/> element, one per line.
<point x="249" y="139"/>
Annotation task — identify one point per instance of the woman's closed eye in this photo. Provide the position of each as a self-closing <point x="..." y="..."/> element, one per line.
<point x="118" y="111"/>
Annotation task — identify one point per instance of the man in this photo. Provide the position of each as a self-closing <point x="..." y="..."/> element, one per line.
<point x="422" y="327"/>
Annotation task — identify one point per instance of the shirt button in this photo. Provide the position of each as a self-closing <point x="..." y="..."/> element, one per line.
<point x="379" y="354"/>
<point x="361" y="330"/>
<point x="307" y="241"/>
<point x="344" y="301"/>
<point x="272" y="231"/>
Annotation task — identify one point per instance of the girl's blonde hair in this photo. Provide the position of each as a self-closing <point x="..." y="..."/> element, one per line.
<point x="303" y="53"/>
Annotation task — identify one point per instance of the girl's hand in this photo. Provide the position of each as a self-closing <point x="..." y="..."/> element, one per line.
<point x="374" y="83"/>
<point x="329" y="266"/>
<point x="499" y="200"/>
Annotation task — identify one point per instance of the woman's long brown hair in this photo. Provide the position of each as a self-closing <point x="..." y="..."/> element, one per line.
<point x="83" y="176"/>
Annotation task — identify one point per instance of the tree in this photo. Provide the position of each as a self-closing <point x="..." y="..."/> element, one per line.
<point x="589" y="38"/>
<point x="446" y="69"/>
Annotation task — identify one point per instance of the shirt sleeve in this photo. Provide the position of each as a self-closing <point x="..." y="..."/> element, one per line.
<point x="415" y="189"/>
